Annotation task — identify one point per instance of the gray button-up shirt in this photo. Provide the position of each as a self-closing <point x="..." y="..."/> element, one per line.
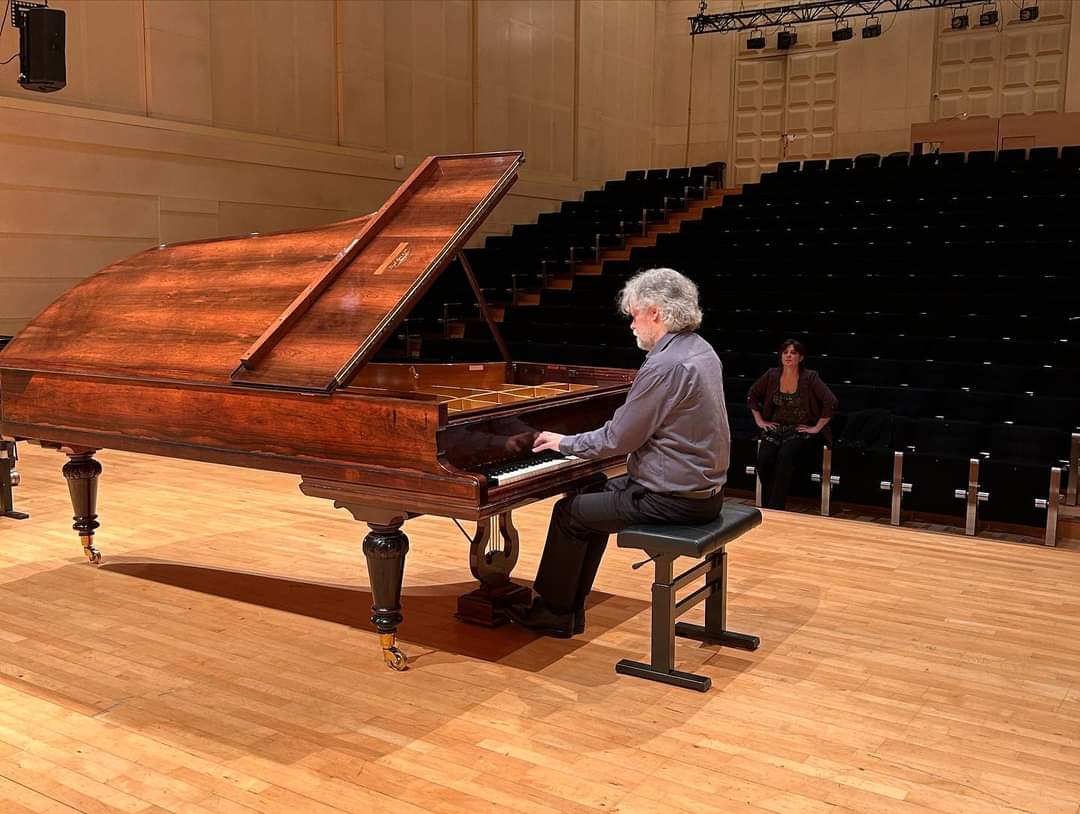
<point x="674" y="425"/>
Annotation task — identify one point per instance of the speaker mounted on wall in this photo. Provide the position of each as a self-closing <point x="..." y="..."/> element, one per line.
<point x="42" y="62"/>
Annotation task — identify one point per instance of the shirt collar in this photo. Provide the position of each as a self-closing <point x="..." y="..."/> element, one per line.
<point x="661" y="343"/>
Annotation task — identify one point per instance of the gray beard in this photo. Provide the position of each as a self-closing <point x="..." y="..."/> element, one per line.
<point x="643" y="345"/>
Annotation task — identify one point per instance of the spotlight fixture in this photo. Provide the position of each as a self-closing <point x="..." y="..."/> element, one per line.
<point x="989" y="17"/>
<point x="1029" y="13"/>
<point x="959" y="21"/>
<point x="841" y="34"/>
<point x="756" y="41"/>
<point x="871" y="30"/>
<point x="786" y="39"/>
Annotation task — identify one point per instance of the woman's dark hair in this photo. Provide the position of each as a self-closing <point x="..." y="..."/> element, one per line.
<point x="796" y="346"/>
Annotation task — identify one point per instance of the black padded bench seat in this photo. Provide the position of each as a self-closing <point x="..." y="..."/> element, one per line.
<point x="664" y="544"/>
<point x="692" y="541"/>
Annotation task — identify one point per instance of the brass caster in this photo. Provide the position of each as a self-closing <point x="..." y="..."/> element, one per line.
<point x="93" y="556"/>
<point x="394" y="658"/>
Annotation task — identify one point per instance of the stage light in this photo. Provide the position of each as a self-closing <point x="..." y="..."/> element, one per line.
<point x="756" y="41"/>
<point x="989" y="17"/>
<point x="959" y="21"/>
<point x="786" y="39"/>
<point x="871" y="31"/>
<point x="840" y="34"/>
<point x="1029" y="13"/>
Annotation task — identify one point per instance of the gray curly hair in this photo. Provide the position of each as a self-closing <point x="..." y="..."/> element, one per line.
<point x="673" y="294"/>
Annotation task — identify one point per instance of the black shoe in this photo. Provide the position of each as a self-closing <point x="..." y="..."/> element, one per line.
<point x="579" y="621"/>
<point x="542" y="619"/>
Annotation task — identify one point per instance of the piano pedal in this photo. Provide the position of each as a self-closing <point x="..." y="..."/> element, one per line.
<point x="394" y="658"/>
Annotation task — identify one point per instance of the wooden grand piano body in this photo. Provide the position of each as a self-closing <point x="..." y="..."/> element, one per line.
<point x="257" y="351"/>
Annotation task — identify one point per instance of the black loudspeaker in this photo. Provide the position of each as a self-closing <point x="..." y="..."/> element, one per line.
<point x="42" y="66"/>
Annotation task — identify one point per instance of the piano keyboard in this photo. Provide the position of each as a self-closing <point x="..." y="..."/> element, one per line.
<point x="506" y="472"/>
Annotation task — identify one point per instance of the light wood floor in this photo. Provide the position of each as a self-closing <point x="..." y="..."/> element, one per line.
<point x="220" y="661"/>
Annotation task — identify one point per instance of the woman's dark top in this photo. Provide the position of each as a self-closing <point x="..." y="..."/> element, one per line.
<point x="816" y="399"/>
<point x="788" y="409"/>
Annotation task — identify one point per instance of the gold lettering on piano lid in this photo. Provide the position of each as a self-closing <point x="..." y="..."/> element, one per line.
<point x="394" y="259"/>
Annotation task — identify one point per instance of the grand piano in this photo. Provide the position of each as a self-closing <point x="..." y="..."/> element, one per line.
<point x="258" y="351"/>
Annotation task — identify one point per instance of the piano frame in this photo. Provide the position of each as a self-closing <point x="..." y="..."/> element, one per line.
<point x="385" y="441"/>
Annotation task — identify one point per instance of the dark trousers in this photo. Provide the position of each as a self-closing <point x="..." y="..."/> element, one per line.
<point x="776" y="464"/>
<point x="581" y="524"/>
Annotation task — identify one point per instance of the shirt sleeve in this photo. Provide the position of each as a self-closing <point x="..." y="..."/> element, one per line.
<point x="755" y="398"/>
<point x="648" y="403"/>
<point x="829" y="401"/>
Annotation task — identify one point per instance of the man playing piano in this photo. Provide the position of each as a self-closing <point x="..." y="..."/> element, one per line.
<point x="673" y="429"/>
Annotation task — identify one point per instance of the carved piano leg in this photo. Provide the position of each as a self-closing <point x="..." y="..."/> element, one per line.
<point x="81" y="472"/>
<point x="385" y="548"/>
<point x="492" y="556"/>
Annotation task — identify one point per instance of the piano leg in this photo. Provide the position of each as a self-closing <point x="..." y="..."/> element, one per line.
<point x="81" y="472"/>
<point x="385" y="548"/>
<point x="491" y="563"/>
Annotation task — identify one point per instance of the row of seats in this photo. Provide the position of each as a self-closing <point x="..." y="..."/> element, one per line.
<point x="1045" y="367"/>
<point x="981" y="161"/>
<point x="1013" y="465"/>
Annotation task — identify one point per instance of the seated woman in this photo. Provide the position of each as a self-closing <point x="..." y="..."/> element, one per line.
<point x="792" y="406"/>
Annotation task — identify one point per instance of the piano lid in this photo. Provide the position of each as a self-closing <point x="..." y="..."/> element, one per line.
<point x="301" y="310"/>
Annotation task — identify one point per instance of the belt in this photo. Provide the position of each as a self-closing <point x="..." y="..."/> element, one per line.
<point x="700" y="494"/>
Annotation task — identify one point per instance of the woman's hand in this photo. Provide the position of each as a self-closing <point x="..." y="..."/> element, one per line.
<point x="547" y="440"/>
<point x="768" y="425"/>
<point x="807" y="430"/>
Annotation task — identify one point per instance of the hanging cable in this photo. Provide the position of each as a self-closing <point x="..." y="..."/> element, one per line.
<point x="3" y="20"/>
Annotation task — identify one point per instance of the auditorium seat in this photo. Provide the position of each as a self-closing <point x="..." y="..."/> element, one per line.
<point x="1017" y="471"/>
<point x="862" y="456"/>
<point x="1042" y="156"/>
<point x="937" y="463"/>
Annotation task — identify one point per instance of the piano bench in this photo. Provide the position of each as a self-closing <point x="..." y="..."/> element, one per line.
<point x="664" y="544"/>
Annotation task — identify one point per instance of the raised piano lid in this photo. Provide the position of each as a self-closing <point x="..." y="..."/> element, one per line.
<point x="300" y="310"/>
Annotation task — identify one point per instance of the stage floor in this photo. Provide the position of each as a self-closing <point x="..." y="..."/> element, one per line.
<point x="220" y="660"/>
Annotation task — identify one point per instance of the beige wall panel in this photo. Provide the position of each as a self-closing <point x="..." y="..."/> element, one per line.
<point x="614" y="75"/>
<point x="9" y="326"/>
<point x="64" y="212"/>
<point x="525" y="84"/>
<point x="363" y="77"/>
<point x="178" y="60"/>
<point x="273" y="66"/>
<point x="179" y="227"/>
<point x="399" y="108"/>
<point x="232" y="64"/>
<point x="713" y="66"/>
<point x="428" y="71"/>
<point x="1072" y="81"/>
<point x="243" y="218"/>
<point x="59" y="258"/>
<point x="315" y="72"/>
<point x="275" y="77"/>
<point x="32" y="293"/>
<point x="182" y="219"/>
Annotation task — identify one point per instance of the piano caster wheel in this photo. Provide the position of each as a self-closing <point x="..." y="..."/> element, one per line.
<point x="394" y="658"/>
<point x="93" y="556"/>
